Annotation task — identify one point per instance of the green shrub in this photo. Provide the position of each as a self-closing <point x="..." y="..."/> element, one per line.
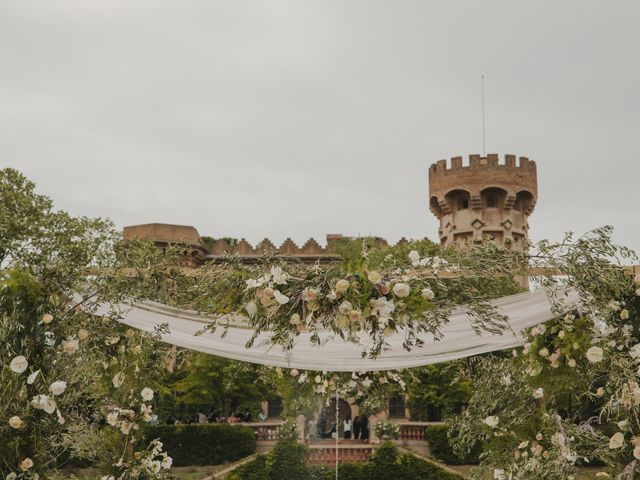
<point x="206" y="444"/>
<point x="286" y="461"/>
<point x="383" y="464"/>
<point x="441" y="449"/>
<point x="414" y="468"/>
<point x="254" y="470"/>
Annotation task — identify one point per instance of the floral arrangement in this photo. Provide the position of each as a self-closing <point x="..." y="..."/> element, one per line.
<point x="387" y="430"/>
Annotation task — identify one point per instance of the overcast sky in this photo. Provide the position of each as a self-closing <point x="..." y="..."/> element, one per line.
<point x="300" y="118"/>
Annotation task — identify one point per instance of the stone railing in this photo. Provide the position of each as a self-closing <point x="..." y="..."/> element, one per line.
<point x="265" y="431"/>
<point x="414" y="430"/>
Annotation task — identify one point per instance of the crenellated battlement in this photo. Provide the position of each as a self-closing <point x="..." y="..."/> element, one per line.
<point x="289" y="249"/>
<point x="484" y="197"/>
<point x="477" y="161"/>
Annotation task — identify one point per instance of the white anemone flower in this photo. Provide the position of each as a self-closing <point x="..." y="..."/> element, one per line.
<point x="401" y="290"/>
<point x="147" y="394"/>
<point x="57" y="387"/>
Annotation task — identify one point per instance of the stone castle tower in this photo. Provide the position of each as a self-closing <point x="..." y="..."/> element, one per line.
<point x="484" y="199"/>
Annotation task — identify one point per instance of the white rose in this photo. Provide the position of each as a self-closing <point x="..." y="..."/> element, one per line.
<point x="44" y="402"/>
<point x="414" y="256"/>
<point x="19" y="364"/>
<point x="616" y="441"/>
<point x="401" y="290"/>
<point x="342" y="286"/>
<point x="26" y="464"/>
<point x="374" y="277"/>
<point x="538" y="393"/>
<point x="70" y="346"/>
<point x="16" y="422"/>
<point x="83" y="334"/>
<point x="147" y="394"/>
<point x="595" y="354"/>
<point x="491" y="421"/>
<point x="428" y="293"/>
<point x="58" y="387"/>
<point x="47" y="318"/>
<point x="280" y="297"/>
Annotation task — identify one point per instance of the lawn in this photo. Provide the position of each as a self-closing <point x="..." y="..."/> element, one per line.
<point x="183" y="473"/>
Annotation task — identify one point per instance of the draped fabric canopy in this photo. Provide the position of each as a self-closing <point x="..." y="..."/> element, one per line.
<point x="458" y="341"/>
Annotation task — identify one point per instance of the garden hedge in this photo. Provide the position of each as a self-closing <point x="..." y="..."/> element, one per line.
<point x="442" y="451"/>
<point x="285" y="462"/>
<point x="204" y="444"/>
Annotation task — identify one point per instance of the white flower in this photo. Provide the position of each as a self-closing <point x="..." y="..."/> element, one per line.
<point x="309" y="294"/>
<point x="280" y="297"/>
<point x="19" y="364"/>
<point x="342" y="286"/>
<point x="125" y="427"/>
<point x="345" y="307"/>
<point x="16" y="422"/>
<point x="624" y="314"/>
<point x="70" y="346"/>
<point x="428" y="293"/>
<point x="492" y="421"/>
<point x="401" y="290"/>
<point x="538" y="393"/>
<point x="136" y="349"/>
<point x="44" y="402"/>
<point x="414" y="256"/>
<point x="572" y="363"/>
<point x="498" y="474"/>
<point x="318" y="379"/>
<point x="112" y="418"/>
<point x="167" y="462"/>
<point x="634" y="352"/>
<point x="12" y="476"/>
<point x="251" y="308"/>
<point x="83" y="334"/>
<point x="32" y="378"/>
<point x="600" y="392"/>
<point x="293" y="372"/>
<point x="523" y="444"/>
<point x="118" y="379"/>
<point x="111" y="340"/>
<point x="543" y="352"/>
<point x="366" y="383"/>
<point x="595" y="354"/>
<point x="61" y="419"/>
<point x="26" y="464"/>
<point x="279" y="277"/>
<point x="58" y="387"/>
<point x="636" y="452"/>
<point x="147" y="394"/>
<point x="374" y="277"/>
<point x="47" y="318"/>
<point x="295" y="319"/>
<point x="616" y="441"/>
<point x="302" y="378"/>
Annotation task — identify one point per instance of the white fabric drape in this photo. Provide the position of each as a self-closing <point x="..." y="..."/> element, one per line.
<point x="459" y="340"/>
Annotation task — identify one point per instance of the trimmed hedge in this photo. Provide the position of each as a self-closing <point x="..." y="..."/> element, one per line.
<point x="204" y="444"/>
<point x="285" y="463"/>
<point x="441" y="450"/>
